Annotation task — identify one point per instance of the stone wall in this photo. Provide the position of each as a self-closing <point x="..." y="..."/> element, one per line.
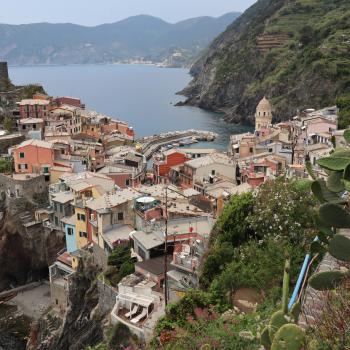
<point x="106" y="297"/>
<point x="100" y="257"/>
<point x="22" y="187"/>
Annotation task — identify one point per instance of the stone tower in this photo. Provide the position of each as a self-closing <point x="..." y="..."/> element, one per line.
<point x="263" y="114"/>
<point x="4" y="76"/>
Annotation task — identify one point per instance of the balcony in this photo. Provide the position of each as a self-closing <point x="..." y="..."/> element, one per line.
<point x="185" y="261"/>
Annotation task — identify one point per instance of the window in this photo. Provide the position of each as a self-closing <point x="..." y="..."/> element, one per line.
<point x="213" y="172"/>
<point x="127" y="182"/>
<point x="270" y="150"/>
<point x="34" y="126"/>
<point x="56" y="220"/>
<point x="81" y="217"/>
<point x="21" y="154"/>
<point x="120" y="216"/>
<point x="82" y="234"/>
<point x="70" y="231"/>
<point x="61" y="208"/>
<point x="251" y="149"/>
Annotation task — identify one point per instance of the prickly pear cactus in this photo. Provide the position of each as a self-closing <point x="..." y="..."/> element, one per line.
<point x="281" y="318"/>
<point x="289" y="337"/>
<point x="333" y="213"/>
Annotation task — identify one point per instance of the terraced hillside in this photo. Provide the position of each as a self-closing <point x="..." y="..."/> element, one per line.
<point x="296" y="52"/>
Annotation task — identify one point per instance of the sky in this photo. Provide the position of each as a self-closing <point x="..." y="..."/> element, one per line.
<point x="93" y="12"/>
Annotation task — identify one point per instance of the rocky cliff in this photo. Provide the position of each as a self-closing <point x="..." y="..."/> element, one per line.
<point x="296" y="52"/>
<point x="82" y="324"/>
<point x="26" y="251"/>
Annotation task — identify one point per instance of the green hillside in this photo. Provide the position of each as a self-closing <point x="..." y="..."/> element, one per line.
<point x="296" y="52"/>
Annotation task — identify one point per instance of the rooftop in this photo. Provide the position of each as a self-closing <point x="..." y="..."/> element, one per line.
<point x="111" y="200"/>
<point x="201" y="225"/>
<point x="117" y="233"/>
<point x="34" y="102"/>
<point x="69" y="220"/>
<point x="215" y="158"/>
<point x="63" y="197"/>
<point x="84" y="180"/>
<point x="31" y="120"/>
<point x="149" y="240"/>
<point x="155" y="266"/>
<point x="36" y="143"/>
<point x="199" y="150"/>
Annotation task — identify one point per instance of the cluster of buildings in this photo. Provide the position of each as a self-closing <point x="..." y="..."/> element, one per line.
<point x="103" y="194"/>
<point x="283" y="148"/>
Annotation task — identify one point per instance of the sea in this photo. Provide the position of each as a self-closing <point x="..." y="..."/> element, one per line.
<point x="142" y="95"/>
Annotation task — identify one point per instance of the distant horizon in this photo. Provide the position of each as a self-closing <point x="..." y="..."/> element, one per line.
<point x="120" y="20"/>
<point x="100" y="12"/>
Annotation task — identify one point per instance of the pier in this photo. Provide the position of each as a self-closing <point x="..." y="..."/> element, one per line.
<point x="152" y="144"/>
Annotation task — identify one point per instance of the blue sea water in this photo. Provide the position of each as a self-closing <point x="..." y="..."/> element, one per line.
<point x="142" y="95"/>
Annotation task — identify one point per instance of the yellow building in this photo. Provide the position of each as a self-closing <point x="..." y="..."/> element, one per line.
<point x="81" y="225"/>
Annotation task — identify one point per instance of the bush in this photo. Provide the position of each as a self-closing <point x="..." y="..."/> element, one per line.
<point x="118" y="256"/>
<point x="120" y="265"/>
<point x="232" y="226"/>
<point x="120" y="337"/>
<point x="257" y="266"/>
<point x="282" y="210"/>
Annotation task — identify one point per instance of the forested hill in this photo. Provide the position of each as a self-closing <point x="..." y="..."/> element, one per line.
<point x="296" y="52"/>
<point x="138" y="37"/>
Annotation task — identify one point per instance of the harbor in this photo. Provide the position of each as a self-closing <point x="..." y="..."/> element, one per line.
<point x="152" y="144"/>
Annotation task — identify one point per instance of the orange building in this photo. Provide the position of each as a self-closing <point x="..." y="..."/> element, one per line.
<point x="34" y="156"/>
<point x="164" y="161"/>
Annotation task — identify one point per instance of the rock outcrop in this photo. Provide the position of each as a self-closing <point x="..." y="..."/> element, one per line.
<point x="26" y="251"/>
<point x="82" y="324"/>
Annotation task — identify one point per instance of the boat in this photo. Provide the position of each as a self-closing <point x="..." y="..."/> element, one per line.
<point x="175" y="144"/>
<point x="186" y="141"/>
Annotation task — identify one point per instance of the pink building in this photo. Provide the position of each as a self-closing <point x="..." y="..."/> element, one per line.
<point x="34" y="156"/>
<point x="34" y="108"/>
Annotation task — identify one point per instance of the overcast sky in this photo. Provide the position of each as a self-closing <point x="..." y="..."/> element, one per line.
<point x="92" y="12"/>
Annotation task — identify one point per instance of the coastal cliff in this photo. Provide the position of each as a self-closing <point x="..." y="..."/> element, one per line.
<point x="25" y="251"/>
<point x="297" y="53"/>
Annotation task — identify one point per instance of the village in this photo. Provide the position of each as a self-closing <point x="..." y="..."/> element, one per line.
<point x="158" y="197"/>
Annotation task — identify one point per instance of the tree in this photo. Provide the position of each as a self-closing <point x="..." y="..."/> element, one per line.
<point x="8" y="124"/>
<point x="282" y="210"/>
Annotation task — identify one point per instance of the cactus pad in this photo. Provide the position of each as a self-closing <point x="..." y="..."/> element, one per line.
<point x="334" y="215"/>
<point x="339" y="247"/>
<point x="335" y="183"/>
<point x="326" y="280"/>
<point x="334" y="162"/>
<point x="347" y="135"/>
<point x="323" y="194"/>
<point x="295" y="311"/>
<point x="289" y="337"/>
<point x="278" y="319"/>
<point x="265" y="338"/>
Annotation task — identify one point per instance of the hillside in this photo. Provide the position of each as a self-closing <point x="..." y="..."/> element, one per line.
<point x="138" y="37"/>
<point x="296" y="52"/>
